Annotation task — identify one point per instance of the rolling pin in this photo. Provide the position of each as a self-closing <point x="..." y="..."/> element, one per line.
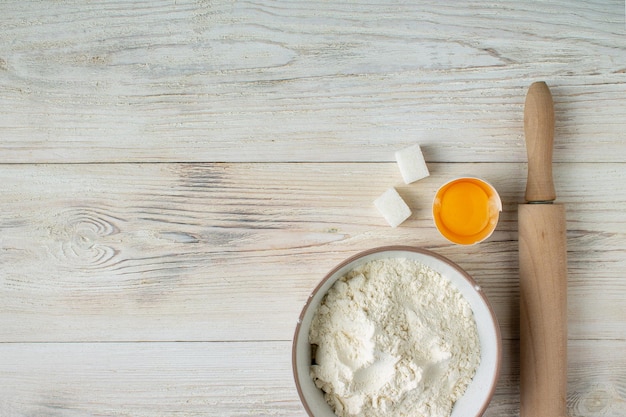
<point x="543" y="269"/>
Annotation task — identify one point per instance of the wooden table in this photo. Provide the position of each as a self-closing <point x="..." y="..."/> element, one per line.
<point x="177" y="176"/>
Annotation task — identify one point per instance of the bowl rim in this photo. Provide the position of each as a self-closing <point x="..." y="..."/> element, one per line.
<point x="396" y="248"/>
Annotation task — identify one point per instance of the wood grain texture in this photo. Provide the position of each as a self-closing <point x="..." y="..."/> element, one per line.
<point x="211" y="81"/>
<point x="237" y="379"/>
<point x="543" y="309"/>
<point x="147" y="379"/>
<point x="542" y="269"/>
<point x="176" y="176"/>
<point x="539" y="137"/>
<point x="174" y="251"/>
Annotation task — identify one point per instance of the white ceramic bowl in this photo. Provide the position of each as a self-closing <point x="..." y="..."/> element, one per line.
<point x="478" y="393"/>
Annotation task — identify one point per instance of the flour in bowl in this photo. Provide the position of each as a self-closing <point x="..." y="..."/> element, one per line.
<point x="394" y="338"/>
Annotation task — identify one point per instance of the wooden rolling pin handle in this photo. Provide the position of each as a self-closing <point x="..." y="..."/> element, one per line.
<point x="539" y="133"/>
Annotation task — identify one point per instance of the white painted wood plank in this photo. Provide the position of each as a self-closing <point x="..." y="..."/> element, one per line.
<point x="238" y="379"/>
<point x="321" y="81"/>
<point x="147" y="379"/>
<point x="128" y="252"/>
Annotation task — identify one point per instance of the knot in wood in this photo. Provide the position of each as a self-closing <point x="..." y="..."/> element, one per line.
<point x="85" y="238"/>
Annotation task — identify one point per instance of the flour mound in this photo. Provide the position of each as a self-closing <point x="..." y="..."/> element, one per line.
<point x="394" y="338"/>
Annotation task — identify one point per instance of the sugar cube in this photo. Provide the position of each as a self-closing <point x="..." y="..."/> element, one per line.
<point x="392" y="207"/>
<point x="412" y="164"/>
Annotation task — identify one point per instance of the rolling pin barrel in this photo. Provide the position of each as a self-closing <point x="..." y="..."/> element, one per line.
<point x="543" y="310"/>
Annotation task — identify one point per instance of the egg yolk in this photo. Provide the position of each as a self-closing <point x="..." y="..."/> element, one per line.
<point x="465" y="208"/>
